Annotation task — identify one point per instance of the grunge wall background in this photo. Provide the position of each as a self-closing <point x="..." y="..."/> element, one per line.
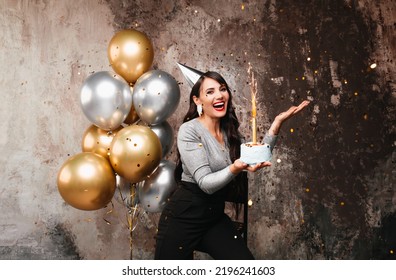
<point x="330" y="193"/>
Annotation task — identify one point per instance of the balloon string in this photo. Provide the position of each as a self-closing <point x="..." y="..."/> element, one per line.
<point x="109" y="212"/>
<point x="131" y="218"/>
<point x="128" y="204"/>
<point x="112" y="212"/>
<point x="132" y="212"/>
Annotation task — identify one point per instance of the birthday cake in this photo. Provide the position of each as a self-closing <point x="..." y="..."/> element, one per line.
<point x="255" y="153"/>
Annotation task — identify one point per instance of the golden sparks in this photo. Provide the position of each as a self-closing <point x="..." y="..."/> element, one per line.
<point x="342" y="203"/>
<point x="291" y="130"/>
<point x="250" y="202"/>
<point x="373" y="65"/>
<point x="307" y="190"/>
<point x="242" y="7"/>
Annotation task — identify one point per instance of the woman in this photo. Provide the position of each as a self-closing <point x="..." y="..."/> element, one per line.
<point x="208" y="168"/>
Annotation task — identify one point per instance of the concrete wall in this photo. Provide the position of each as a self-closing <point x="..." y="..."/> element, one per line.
<point x="330" y="193"/>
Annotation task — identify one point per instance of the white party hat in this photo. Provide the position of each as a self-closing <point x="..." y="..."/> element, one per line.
<point x="192" y="75"/>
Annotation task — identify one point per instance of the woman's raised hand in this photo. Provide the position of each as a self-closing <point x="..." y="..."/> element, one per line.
<point x="293" y="110"/>
<point x="279" y="119"/>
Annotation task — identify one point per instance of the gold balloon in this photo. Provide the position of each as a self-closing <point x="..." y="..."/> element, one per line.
<point x="98" y="141"/>
<point x="86" y="181"/>
<point x="132" y="116"/>
<point x="130" y="53"/>
<point x="136" y="152"/>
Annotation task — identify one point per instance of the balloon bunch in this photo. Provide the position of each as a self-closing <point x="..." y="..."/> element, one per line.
<point x="129" y="137"/>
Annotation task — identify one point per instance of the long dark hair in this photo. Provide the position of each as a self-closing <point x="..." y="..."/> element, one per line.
<point x="230" y="125"/>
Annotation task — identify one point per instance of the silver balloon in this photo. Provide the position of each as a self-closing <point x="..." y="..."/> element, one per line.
<point x="165" y="134"/>
<point x="123" y="192"/>
<point x="154" y="192"/>
<point x="106" y="99"/>
<point x="156" y="96"/>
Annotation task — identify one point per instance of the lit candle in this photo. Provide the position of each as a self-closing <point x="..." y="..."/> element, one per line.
<point x="253" y="92"/>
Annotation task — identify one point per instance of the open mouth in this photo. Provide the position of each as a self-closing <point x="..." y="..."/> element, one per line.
<point x="219" y="106"/>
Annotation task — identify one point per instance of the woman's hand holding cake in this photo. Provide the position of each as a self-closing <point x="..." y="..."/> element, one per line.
<point x="239" y="166"/>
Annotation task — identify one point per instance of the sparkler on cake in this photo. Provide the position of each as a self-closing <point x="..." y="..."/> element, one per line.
<point x="253" y="152"/>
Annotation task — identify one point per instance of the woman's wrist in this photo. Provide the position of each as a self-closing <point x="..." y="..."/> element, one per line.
<point x="234" y="169"/>
<point x="275" y="127"/>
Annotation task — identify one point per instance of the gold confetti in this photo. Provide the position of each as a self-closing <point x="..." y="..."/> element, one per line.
<point x="307" y="189"/>
<point x="291" y="130"/>
<point x="391" y="251"/>
<point x="242" y="7"/>
<point x="356" y="94"/>
<point x="342" y="203"/>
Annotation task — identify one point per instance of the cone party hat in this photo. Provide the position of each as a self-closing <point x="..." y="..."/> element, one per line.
<point x="190" y="74"/>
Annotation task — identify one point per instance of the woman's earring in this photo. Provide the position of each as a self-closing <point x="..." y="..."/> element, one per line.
<point x="199" y="109"/>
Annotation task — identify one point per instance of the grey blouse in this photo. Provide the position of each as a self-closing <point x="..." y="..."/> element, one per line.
<point x="204" y="160"/>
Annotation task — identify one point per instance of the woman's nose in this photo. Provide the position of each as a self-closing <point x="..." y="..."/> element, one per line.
<point x="218" y="94"/>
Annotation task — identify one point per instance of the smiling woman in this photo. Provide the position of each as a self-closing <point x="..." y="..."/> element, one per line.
<point x="208" y="169"/>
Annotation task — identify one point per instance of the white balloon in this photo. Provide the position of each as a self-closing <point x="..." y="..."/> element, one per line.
<point x="165" y="134"/>
<point x="155" y="191"/>
<point x="156" y="96"/>
<point x="106" y="99"/>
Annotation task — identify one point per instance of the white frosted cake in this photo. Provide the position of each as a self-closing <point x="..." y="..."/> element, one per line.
<point x="253" y="154"/>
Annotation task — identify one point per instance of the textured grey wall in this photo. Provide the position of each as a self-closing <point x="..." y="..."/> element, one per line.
<point x="330" y="193"/>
